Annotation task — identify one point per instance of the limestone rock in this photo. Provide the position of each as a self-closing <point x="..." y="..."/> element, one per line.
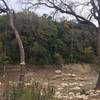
<point x="0" y="83"/>
<point x="56" y="77"/>
<point x="58" y="71"/>
<point x="83" y="97"/>
<point x="64" y="84"/>
<point x="71" y="94"/>
<point x="76" y="88"/>
<point x="74" y="83"/>
<point x="73" y="75"/>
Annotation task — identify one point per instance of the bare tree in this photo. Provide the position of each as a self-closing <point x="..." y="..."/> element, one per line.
<point x="85" y="11"/>
<point x="10" y="12"/>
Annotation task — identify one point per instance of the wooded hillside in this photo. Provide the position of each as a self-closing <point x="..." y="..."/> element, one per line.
<point x="47" y="41"/>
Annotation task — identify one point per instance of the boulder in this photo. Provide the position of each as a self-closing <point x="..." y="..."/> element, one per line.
<point x="58" y="71"/>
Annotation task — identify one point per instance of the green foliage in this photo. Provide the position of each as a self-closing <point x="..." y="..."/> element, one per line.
<point x="87" y="55"/>
<point x="47" y="41"/>
<point x="39" y="92"/>
<point x="3" y="23"/>
<point x="58" y="59"/>
<point x="3" y="57"/>
<point x="4" y="60"/>
<point x="40" y="54"/>
<point x="12" y="93"/>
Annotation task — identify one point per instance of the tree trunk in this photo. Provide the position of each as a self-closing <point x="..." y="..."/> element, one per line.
<point x="21" y="48"/>
<point x="98" y="52"/>
<point x="98" y="83"/>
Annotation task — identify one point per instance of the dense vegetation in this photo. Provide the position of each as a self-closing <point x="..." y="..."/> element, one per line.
<point x="47" y="41"/>
<point x="34" y="92"/>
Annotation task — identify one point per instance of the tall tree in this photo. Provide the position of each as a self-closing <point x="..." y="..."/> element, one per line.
<point x="4" y="8"/>
<point x="85" y="11"/>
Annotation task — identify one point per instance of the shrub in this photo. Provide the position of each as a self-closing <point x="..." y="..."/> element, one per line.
<point x="34" y="92"/>
<point x="58" y="59"/>
<point x="87" y="55"/>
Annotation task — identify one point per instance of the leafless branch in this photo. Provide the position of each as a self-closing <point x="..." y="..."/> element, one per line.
<point x="66" y="8"/>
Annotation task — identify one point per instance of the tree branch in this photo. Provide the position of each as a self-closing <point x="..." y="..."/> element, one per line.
<point x="67" y="10"/>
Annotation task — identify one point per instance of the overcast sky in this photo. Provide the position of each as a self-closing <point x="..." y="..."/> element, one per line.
<point x="16" y="5"/>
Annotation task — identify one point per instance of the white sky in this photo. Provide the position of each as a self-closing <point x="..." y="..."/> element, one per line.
<point x="13" y="4"/>
<point x="16" y="5"/>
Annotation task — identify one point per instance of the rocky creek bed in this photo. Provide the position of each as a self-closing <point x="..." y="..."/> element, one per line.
<point x="72" y="82"/>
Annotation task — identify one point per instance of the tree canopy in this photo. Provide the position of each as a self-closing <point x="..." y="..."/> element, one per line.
<point x="47" y="41"/>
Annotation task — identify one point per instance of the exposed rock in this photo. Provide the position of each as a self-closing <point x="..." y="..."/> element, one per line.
<point x="71" y="94"/>
<point x="45" y="83"/>
<point x="71" y="98"/>
<point x="73" y="75"/>
<point x="57" y="76"/>
<point x="90" y="83"/>
<point x="58" y="95"/>
<point x="90" y="91"/>
<point x="81" y="85"/>
<point x="65" y="97"/>
<point x="11" y="83"/>
<point x="92" y="94"/>
<point x="83" y="97"/>
<point x="28" y="84"/>
<point x="0" y="83"/>
<point x="58" y="71"/>
<point x="76" y="88"/>
<point x="74" y="83"/>
<point x="78" y="93"/>
<point x="63" y="79"/>
<point x="81" y="78"/>
<point x="64" y="84"/>
<point x="60" y="88"/>
<point x="97" y="91"/>
<point x="67" y="74"/>
<point x="29" y="77"/>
